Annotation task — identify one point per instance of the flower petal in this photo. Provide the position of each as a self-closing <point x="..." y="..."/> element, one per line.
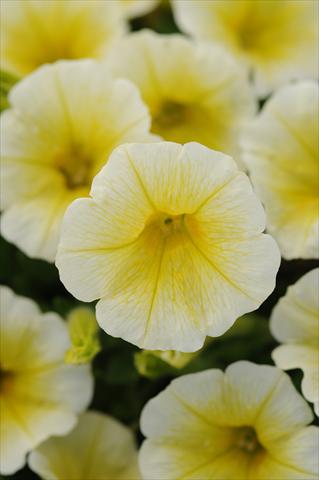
<point x="99" y="447"/>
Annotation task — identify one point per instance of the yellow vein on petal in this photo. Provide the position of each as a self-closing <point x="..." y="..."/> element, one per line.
<point x="222" y="274"/>
<point x="205" y="464"/>
<point x="192" y="410"/>
<point x="281" y="378"/>
<point x="203" y="96"/>
<point x="64" y="105"/>
<point x="140" y="181"/>
<point x="293" y="133"/>
<point x="101" y="249"/>
<point x="50" y="222"/>
<point x="114" y="141"/>
<point x="92" y="451"/>
<point x="214" y="193"/>
<point x="18" y="420"/>
<point x="158" y="274"/>
<point x="292" y="467"/>
<point x="151" y="72"/>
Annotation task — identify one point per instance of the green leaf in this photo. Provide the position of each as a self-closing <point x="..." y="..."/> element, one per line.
<point x="7" y="80"/>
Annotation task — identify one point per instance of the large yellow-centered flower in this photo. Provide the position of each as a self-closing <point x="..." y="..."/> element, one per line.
<point x="65" y="120"/>
<point x="193" y="91"/>
<point x="280" y="148"/>
<point x="99" y="448"/>
<point x="34" y="32"/>
<point x="171" y="242"/>
<point x="248" y="423"/>
<point x="276" y="39"/>
<point x="295" y="323"/>
<point x="40" y="396"/>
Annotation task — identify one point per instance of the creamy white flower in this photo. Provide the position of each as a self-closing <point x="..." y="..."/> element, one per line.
<point x="64" y="121"/>
<point x="276" y="40"/>
<point x="295" y="323"/>
<point x="40" y="396"/>
<point x="195" y="92"/>
<point x="171" y="243"/>
<point x="35" y="32"/>
<point x="280" y="148"/>
<point x="99" y="448"/>
<point x="248" y="423"/>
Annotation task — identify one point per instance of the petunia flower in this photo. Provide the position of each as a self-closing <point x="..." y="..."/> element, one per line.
<point x="40" y="396"/>
<point x="171" y="243"/>
<point x="35" y="32"/>
<point x="280" y="148"/>
<point x="276" y="40"/>
<point x="193" y="91"/>
<point x="248" y="423"/>
<point x="65" y="120"/>
<point x="295" y="323"/>
<point x="137" y="8"/>
<point x="99" y="448"/>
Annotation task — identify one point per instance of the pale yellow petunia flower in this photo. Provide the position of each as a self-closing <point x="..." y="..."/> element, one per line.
<point x="137" y="8"/>
<point x="295" y="323"/>
<point x="275" y="39"/>
<point x="40" y="396"/>
<point x="99" y="448"/>
<point x="171" y="243"/>
<point x="248" y="423"/>
<point x="35" y="32"/>
<point x="195" y="92"/>
<point x="280" y="148"/>
<point x="64" y="121"/>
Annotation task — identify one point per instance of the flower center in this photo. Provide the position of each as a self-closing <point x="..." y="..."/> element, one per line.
<point x="170" y="224"/>
<point x="169" y="115"/>
<point x="167" y="225"/>
<point x="247" y="440"/>
<point x="75" y="165"/>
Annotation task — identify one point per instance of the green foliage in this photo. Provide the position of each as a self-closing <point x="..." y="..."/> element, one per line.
<point x="7" y="80"/>
<point x="83" y="331"/>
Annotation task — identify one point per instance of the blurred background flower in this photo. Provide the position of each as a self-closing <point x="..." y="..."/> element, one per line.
<point x="295" y="323"/>
<point x="280" y="149"/>
<point x="64" y="121"/>
<point x="187" y="92"/>
<point x="275" y="39"/>
<point x="35" y="32"/>
<point x="99" y="448"/>
<point x="40" y="396"/>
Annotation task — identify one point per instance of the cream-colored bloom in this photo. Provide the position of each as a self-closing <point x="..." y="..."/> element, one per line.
<point x="65" y="120"/>
<point x="137" y="8"/>
<point x="295" y="323"/>
<point x="99" y="448"/>
<point x="35" y="32"/>
<point x="40" y="396"/>
<point x="277" y="40"/>
<point x="248" y="423"/>
<point x="171" y="242"/>
<point x="193" y="91"/>
<point x="280" y="149"/>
